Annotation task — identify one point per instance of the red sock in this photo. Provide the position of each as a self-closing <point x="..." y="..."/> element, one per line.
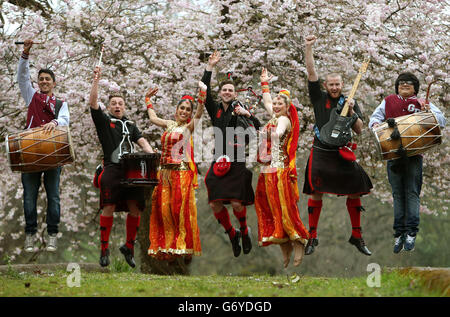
<point x="224" y="219"/>
<point x="354" y="210"/>
<point x="105" y="229"/>
<point x="242" y="217"/>
<point x="132" y="227"/>
<point x="314" y="209"/>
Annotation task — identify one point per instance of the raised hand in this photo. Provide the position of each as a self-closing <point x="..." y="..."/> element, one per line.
<point x="214" y="59"/>
<point x="151" y="92"/>
<point x="310" y="40"/>
<point x="27" y="45"/>
<point x="97" y="73"/>
<point x="265" y="77"/>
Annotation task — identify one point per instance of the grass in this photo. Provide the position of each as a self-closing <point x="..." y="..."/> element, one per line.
<point x="118" y="284"/>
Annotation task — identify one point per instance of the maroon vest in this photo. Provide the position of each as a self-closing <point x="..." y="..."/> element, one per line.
<point x="42" y="110"/>
<point x="397" y="106"/>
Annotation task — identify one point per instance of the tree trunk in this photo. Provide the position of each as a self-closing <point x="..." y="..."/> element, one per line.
<point x="150" y="265"/>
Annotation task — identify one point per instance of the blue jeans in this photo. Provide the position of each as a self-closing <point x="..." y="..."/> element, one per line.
<point x="31" y="183"/>
<point x="406" y="189"/>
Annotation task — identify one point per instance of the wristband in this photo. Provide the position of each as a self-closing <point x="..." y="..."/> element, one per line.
<point x="148" y="103"/>
<point x="265" y="87"/>
<point x="201" y="97"/>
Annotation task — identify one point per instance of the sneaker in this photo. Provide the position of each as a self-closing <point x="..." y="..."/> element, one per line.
<point x="409" y="242"/>
<point x="51" y="245"/>
<point x="360" y="245"/>
<point x="310" y="246"/>
<point x="246" y="241"/>
<point x="104" y="258"/>
<point x="398" y="243"/>
<point x="128" y="254"/>
<point x="30" y="239"/>
<point x="235" y="243"/>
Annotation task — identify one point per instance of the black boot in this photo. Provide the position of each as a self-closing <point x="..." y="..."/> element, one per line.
<point x="235" y="243"/>
<point x="104" y="258"/>
<point x="360" y="245"/>
<point x="128" y="254"/>
<point x="312" y="243"/>
<point x="246" y="241"/>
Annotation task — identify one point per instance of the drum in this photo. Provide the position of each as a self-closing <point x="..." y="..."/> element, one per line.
<point x="33" y="150"/>
<point x="419" y="132"/>
<point x="141" y="169"/>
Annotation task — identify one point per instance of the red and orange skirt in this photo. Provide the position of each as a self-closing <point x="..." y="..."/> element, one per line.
<point x="276" y="208"/>
<point x="173" y="221"/>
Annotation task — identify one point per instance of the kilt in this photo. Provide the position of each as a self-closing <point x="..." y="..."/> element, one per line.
<point x="327" y="172"/>
<point x="236" y="185"/>
<point x="112" y="193"/>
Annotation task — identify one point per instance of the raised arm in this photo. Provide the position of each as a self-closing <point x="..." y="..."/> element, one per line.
<point x="200" y="105"/>
<point x="23" y="74"/>
<point x="206" y="79"/>
<point x="309" y="59"/>
<point x="267" y="98"/>
<point x="94" y="89"/>
<point x="151" y="112"/>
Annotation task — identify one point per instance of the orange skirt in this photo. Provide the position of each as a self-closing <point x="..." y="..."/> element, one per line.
<point x="173" y="221"/>
<point x="276" y="208"/>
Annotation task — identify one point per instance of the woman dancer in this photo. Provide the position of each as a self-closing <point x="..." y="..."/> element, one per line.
<point x="173" y="221"/>
<point x="277" y="192"/>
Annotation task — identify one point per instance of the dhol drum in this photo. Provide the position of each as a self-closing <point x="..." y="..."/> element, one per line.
<point x="34" y="150"/>
<point x="141" y="169"/>
<point x="419" y="132"/>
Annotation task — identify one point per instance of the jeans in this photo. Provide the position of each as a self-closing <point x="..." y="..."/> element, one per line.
<point x="31" y="183"/>
<point x="406" y="189"/>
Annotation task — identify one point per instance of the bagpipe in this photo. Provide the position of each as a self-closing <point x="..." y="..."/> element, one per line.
<point x="252" y="125"/>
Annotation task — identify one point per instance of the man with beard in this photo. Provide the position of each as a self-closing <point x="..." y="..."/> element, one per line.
<point x="328" y="170"/>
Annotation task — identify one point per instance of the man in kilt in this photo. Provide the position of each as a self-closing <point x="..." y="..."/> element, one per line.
<point x="327" y="171"/>
<point x="228" y="180"/>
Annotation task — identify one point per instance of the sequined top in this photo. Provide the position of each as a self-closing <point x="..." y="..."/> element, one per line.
<point x="173" y="146"/>
<point x="276" y="151"/>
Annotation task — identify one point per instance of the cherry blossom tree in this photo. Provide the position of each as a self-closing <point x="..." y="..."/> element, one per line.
<point x="166" y="44"/>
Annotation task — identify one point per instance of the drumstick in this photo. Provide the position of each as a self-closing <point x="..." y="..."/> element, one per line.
<point x="99" y="64"/>
<point x="21" y="42"/>
<point x="428" y="92"/>
<point x="100" y="59"/>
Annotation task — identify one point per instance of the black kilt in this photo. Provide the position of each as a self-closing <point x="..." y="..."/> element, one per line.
<point x="112" y="193"/>
<point x="236" y="185"/>
<point x="327" y="172"/>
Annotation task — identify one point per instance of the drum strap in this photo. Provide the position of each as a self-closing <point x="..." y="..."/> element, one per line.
<point x="58" y="106"/>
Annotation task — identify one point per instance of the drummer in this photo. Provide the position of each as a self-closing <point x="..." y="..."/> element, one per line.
<point x="44" y="110"/>
<point x="405" y="174"/>
<point x="112" y="196"/>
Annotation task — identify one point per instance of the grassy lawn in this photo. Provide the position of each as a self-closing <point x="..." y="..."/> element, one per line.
<point x="136" y="285"/>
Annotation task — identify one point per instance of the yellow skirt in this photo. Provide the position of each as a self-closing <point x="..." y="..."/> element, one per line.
<point x="276" y="208"/>
<point x="173" y="221"/>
